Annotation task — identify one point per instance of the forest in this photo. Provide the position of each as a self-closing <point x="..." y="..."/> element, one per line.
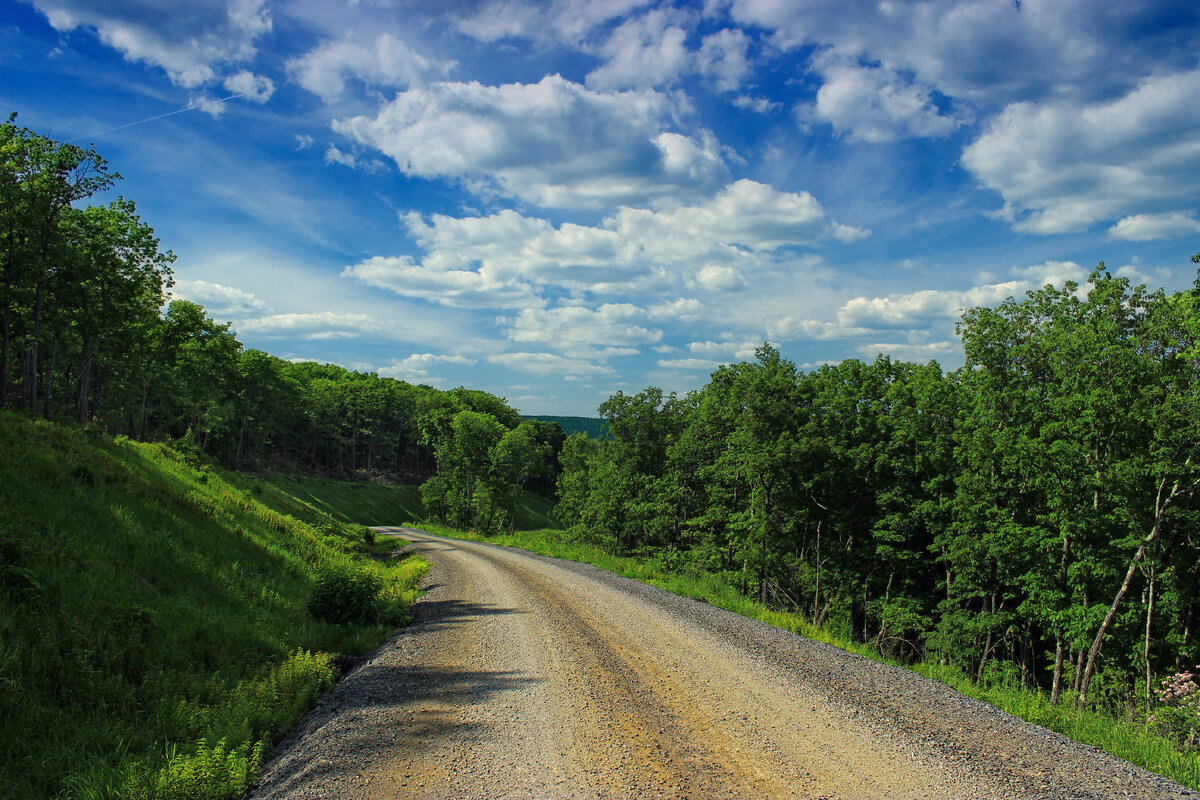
<point x="90" y="334"/>
<point x="1031" y="516"/>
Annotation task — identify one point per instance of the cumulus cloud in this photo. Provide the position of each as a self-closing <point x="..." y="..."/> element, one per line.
<point x="579" y="331"/>
<point x="720" y="278"/>
<point x="729" y="348"/>
<point x="553" y="143"/>
<point x="190" y="41"/>
<point x="649" y="50"/>
<point x="1063" y="167"/>
<point x="507" y="259"/>
<point x="691" y="364"/>
<point x="416" y="368"/>
<point x="991" y="53"/>
<point x="760" y="105"/>
<point x="550" y="364"/>
<point x="314" y="325"/>
<point x="463" y="288"/>
<point x="212" y="106"/>
<point x="387" y="61"/>
<point x="220" y="301"/>
<point x="568" y="22"/>
<point x="912" y="351"/>
<point x="723" y="58"/>
<point x="914" y="314"/>
<point x="257" y="88"/>
<point x="1147" y="227"/>
<point x="335" y="156"/>
<point x="876" y="105"/>
<point x="683" y="309"/>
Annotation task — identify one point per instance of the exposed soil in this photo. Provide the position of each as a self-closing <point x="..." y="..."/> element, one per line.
<point x="528" y="677"/>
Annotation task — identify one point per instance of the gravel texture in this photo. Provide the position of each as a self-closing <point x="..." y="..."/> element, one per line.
<point x="529" y="677"/>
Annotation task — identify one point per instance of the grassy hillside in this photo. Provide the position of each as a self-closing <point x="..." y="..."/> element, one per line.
<point x="155" y="623"/>
<point x="312" y="498"/>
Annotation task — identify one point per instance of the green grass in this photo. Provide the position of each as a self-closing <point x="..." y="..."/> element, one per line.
<point x="154" y="631"/>
<point x="1128" y="739"/>
<point x="312" y="498"/>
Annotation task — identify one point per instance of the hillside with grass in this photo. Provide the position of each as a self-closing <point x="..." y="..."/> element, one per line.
<point x="163" y="621"/>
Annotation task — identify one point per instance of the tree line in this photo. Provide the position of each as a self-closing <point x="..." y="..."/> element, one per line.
<point x="89" y="332"/>
<point x="1030" y="517"/>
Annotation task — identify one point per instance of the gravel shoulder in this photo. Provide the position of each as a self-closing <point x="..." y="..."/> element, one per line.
<point x="528" y="677"/>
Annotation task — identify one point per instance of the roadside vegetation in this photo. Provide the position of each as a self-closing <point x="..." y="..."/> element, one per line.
<point x="163" y="622"/>
<point x="1030" y="521"/>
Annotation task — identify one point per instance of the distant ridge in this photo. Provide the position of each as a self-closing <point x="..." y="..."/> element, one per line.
<point x="594" y="427"/>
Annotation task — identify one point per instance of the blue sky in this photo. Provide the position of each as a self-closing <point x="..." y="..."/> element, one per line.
<point x="556" y="199"/>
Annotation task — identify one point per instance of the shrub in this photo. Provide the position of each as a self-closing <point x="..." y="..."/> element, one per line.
<point x="1179" y="707"/>
<point x="345" y="594"/>
<point x="211" y="773"/>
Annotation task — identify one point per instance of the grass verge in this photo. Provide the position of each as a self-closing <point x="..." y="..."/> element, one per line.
<point x="155" y="626"/>
<point x="1133" y="741"/>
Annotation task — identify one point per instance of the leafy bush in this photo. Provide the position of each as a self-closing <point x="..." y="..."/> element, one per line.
<point x="214" y="772"/>
<point x="345" y="594"/>
<point x="1179" y="707"/>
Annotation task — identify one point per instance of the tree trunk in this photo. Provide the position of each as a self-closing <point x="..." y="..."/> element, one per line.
<point x="1056" y="688"/>
<point x="1146" y="651"/>
<point x="5" y="349"/>
<point x="1160" y="509"/>
<point x="81" y="396"/>
<point x="50" y="378"/>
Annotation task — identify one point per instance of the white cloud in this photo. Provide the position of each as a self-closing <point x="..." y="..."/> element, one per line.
<point x="220" y="301"/>
<point x="990" y="53"/>
<point x="1147" y="227"/>
<point x="728" y="349"/>
<point x="760" y="105"/>
<point x="553" y="143"/>
<point x="917" y="313"/>
<point x="549" y="364"/>
<point x="789" y="328"/>
<point x="457" y="288"/>
<point x="189" y="41"/>
<point x="579" y="331"/>
<point x="304" y="141"/>
<point x="506" y="259"/>
<point x="643" y="51"/>
<point x="313" y="325"/>
<point x="688" y="363"/>
<point x="416" y="368"/>
<point x="720" y="278"/>
<point x="1054" y="273"/>
<point x="876" y="105"/>
<point x="212" y="106"/>
<point x="257" y="88"/>
<point x="723" y="59"/>
<point x="568" y="22"/>
<point x="387" y="61"/>
<point x="683" y="309"/>
<point x="1067" y="166"/>
<point x="335" y="156"/>
<point x="910" y="351"/>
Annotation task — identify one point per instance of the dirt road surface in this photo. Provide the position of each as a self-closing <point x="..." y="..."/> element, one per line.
<point x="528" y="677"/>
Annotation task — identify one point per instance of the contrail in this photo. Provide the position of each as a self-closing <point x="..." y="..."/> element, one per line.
<point x="151" y="119"/>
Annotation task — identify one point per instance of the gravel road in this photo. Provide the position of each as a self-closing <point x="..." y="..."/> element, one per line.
<point x="529" y="677"/>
